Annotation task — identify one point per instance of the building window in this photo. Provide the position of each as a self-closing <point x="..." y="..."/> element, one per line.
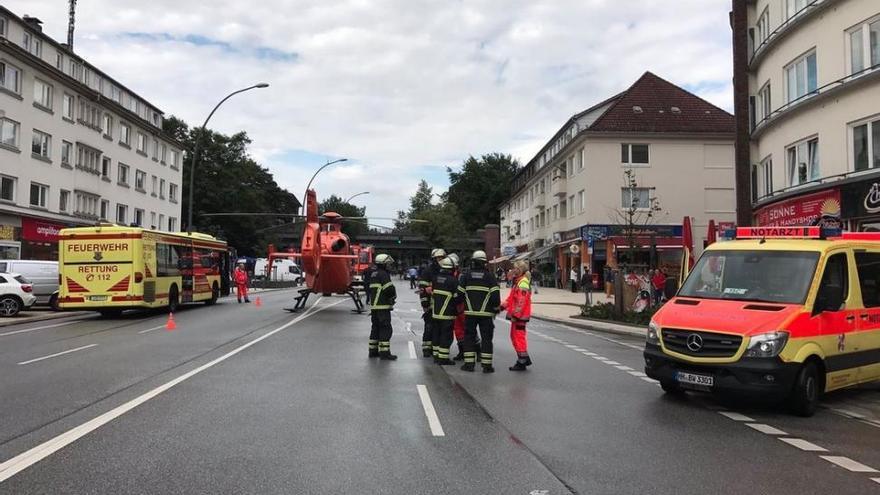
<point x="10" y="77"/>
<point x="571" y="209"/>
<point x="7" y="188"/>
<point x="581" y="158"/>
<point x="122" y="174"/>
<point x="125" y="134"/>
<point x="9" y="133"/>
<point x="802" y="161"/>
<point x="87" y="205"/>
<point x="39" y="194"/>
<point x="175" y="158"/>
<point x="634" y="154"/>
<point x="140" y="179"/>
<point x="32" y="44"/>
<point x="154" y="184"/>
<point x="762" y="179"/>
<point x="162" y="188"/>
<point x="155" y="149"/>
<point x="582" y="205"/>
<point x="800" y="76"/>
<point x="762" y="29"/>
<point x="142" y="143"/>
<point x="115" y="94"/>
<point x="793" y="7"/>
<point x="121" y="213"/>
<point x="161" y="221"/>
<point x="139" y="217"/>
<point x="172" y="192"/>
<point x="172" y="224"/>
<point x="105" y="209"/>
<point x="63" y="199"/>
<point x="866" y="145"/>
<point x="864" y="46"/>
<point x="41" y="144"/>
<point x="67" y="107"/>
<point x="43" y="94"/>
<point x="3" y="24"/>
<point x="163" y="152"/>
<point x="108" y="125"/>
<point x="89" y="114"/>
<point x="74" y="70"/>
<point x="59" y="61"/>
<point x="105" y="167"/>
<point x="562" y="209"/>
<point x="764" y="106"/>
<point x="635" y="197"/>
<point x="66" y="152"/>
<point x="152" y="219"/>
<point x="88" y="158"/>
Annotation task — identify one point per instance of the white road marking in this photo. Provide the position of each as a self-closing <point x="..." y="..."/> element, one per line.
<point x="649" y="380"/>
<point x="579" y="349"/>
<point x="736" y="416"/>
<point x="589" y="353"/>
<point x="412" y="349"/>
<point x="428" y="406"/>
<point x="152" y="329"/>
<point x="624" y="368"/>
<point x="612" y="363"/>
<point x="769" y="430"/>
<point x="848" y="464"/>
<point x="570" y="346"/>
<point x="875" y="480"/>
<point x="24" y="460"/>
<point x="849" y="413"/>
<point x="637" y="373"/>
<point x="39" y="328"/>
<point x="57" y="354"/>
<point x="804" y="445"/>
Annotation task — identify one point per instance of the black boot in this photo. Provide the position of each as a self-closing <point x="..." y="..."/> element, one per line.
<point x="445" y="362"/>
<point x="427" y="353"/>
<point x="528" y="361"/>
<point x="373" y="353"/>
<point x="467" y="367"/>
<point x="460" y="355"/>
<point x="387" y="356"/>
<point x="518" y="367"/>
<point x="488" y="369"/>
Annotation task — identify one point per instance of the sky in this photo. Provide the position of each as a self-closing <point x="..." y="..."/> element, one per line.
<point x="401" y="88"/>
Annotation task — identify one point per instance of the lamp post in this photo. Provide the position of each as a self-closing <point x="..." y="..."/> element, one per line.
<point x="196" y="146"/>
<point x="309" y="185"/>
<point x="356" y="195"/>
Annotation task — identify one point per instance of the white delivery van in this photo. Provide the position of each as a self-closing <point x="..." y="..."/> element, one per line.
<point x="42" y="274"/>
<point x="283" y="270"/>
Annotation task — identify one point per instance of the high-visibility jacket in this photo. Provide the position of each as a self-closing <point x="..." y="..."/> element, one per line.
<point x="426" y="277"/>
<point x="481" y="293"/>
<point x="381" y="293"/>
<point x="445" y="296"/>
<point x="240" y="277"/>
<point x="519" y="301"/>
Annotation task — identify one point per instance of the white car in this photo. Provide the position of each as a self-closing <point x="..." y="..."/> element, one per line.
<point x="16" y="293"/>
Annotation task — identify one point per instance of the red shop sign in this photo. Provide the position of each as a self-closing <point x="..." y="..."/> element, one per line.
<point x="811" y="209"/>
<point x="35" y="230"/>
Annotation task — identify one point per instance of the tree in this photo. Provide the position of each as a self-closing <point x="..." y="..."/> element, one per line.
<point x="638" y="213"/>
<point x="421" y="200"/>
<point x="352" y="228"/>
<point x="442" y="226"/>
<point x="480" y="187"/>
<point x="228" y="180"/>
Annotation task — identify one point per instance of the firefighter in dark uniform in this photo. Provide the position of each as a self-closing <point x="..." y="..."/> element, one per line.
<point x="381" y="295"/>
<point x="444" y="299"/>
<point x="426" y="276"/>
<point x="482" y="302"/>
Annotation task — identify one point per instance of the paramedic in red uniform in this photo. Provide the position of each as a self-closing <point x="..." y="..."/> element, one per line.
<point x="519" y="309"/>
<point x="240" y="277"/>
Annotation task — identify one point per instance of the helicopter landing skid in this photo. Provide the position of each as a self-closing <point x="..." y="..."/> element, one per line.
<point x="300" y="300"/>
<point x="356" y="297"/>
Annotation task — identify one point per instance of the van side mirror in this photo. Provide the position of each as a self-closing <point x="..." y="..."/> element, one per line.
<point x="829" y="298"/>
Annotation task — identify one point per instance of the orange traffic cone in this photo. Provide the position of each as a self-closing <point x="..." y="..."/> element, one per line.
<point x="170" y="325"/>
<point x="258" y="302"/>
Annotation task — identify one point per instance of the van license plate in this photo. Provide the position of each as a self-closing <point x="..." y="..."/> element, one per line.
<point x="97" y="298"/>
<point x="692" y="379"/>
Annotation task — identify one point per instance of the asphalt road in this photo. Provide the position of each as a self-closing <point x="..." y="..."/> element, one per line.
<point x="247" y="399"/>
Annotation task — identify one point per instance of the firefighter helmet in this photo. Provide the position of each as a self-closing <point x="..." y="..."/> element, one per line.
<point x="455" y="259"/>
<point x="384" y="259"/>
<point x="479" y="256"/>
<point x="446" y="263"/>
<point x="438" y="253"/>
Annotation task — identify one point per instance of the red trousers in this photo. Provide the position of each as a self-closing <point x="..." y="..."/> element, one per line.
<point x="458" y="328"/>
<point x="242" y="291"/>
<point x="518" y="337"/>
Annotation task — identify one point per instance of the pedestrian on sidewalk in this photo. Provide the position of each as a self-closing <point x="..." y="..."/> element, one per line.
<point x="658" y="281"/>
<point x="240" y="277"/>
<point x="587" y="284"/>
<point x="573" y="279"/>
<point x="519" y="310"/>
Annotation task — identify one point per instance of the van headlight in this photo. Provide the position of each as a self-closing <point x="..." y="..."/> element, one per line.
<point x="653" y="336"/>
<point x="767" y="345"/>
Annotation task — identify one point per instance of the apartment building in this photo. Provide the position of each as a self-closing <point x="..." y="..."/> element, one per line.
<point x="566" y="203"/>
<point x="807" y="93"/>
<point x="76" y="147"/>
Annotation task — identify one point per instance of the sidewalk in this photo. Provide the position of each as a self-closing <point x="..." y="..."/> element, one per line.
<point x="561" y="306"/>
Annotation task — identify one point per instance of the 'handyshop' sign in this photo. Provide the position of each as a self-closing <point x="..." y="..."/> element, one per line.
<point x="820" y="208"/>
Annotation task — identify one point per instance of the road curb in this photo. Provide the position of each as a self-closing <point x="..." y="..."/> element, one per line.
<point x="594" y="326"/>
<point x="51" y="316"/>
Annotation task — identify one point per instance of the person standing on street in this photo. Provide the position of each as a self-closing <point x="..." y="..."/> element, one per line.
<point x="587" y="284"/>
<point x="482" y="298"/>
<point x="412" y="274"/>
<point x="444" y="301"/>
<point x="240" y="277"/>
<point x="658" y="282"/>
<point x="519" y="310"/>
<point x="426" y="278"/>
<point x="458" y="324"/>
<point x="381" y="295"/>
<point x="573" y="279"/>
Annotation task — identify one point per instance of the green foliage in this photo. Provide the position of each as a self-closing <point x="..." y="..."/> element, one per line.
<point x="480" y="187"/>
<point x="227" y="179"/>
<point x="421" y="200"/>
<point x="352" y="228"/>
<point x="442" y="226"/>
<point x="605" y="311"/>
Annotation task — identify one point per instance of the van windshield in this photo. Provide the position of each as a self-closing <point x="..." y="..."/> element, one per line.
<point x="761" y="276"/>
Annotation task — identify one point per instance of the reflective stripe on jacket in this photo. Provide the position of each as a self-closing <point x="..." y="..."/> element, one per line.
<point x="519" y="301"/>
<point x="380" y="291"/>
<point x="481" y="293"/>
<point x="444" y="296"/>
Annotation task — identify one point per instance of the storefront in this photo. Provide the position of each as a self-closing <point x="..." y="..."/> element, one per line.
<point x="569" y="251"/>
<point x="816" y="208"/>
<point x="649" y="246"/>
<point x="861" y="205"/>
<point x="29" y="238"/>
<point x="10" y="237"/>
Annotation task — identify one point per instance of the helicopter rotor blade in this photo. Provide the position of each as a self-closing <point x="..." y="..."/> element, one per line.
<point x="248" y="214"/>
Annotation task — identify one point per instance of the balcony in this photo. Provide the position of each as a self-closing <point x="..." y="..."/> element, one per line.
<point x="557" y="186"/>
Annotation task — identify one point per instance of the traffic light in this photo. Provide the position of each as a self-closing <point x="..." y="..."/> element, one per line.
<point x="399" y="240"/>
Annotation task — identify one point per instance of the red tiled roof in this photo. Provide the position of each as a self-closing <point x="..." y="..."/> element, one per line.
<point x="656" y="97"/>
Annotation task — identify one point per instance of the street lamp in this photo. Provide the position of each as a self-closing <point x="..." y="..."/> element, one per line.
<point x="195" y="159"/>
<point x="356" y="195"/>
<point x="316" y="174"/>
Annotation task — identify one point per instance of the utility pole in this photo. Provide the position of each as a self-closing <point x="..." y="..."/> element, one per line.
<point x="70" y="24"/>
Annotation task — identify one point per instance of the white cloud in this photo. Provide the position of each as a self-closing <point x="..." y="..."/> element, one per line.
<point x="400" y="87"/>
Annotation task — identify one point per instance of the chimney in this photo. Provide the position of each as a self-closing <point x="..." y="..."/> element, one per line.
<point x="33" y="23"/>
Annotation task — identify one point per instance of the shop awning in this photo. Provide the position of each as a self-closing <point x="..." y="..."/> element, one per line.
<point x="644" y="242"/>
<point x="499" y="259"/>
<point x="521" y="256"/>
<point x="544" y="252"/>
<point x="565" y="243"/>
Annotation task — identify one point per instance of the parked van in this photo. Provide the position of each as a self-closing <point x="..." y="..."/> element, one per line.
<point x="784" y="312"/>
<point x="42" y="274"/>
<point x="283" y="270"/>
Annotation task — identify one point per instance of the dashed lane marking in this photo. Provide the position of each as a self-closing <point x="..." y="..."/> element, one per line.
<point x="412" y="349"/>
<point x="43" y="327"/>
<point x="637" y="373"/>
<point x="57" y="354"/>
<point x="152" y="329"/>
<point x="804" y="445"/>
<point x="612" y="363"/>
<point x="848" y="464"/>
<point x="875" y="480"/>
<point x="767" y="429"/>
<point x="736" y="416"/>
<point x="430" y="412"/>
<point x="624" y="368"/>
<point x="649" y="380"/>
